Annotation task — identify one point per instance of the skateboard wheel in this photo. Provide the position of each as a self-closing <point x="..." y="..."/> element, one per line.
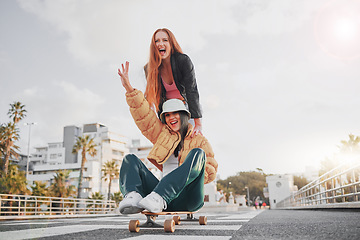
<point x="203" y="220"/>
<point x="169" y="225"/>
<point x="177" y="220"/>
<point x="134" y="226"/>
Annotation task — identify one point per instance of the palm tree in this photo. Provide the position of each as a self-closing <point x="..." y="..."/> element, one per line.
<point x="17" y="111"/>
<point x="61" y="186"/>
<point x="39" y="189"/>
<point x="14" y="182"/>
<point x="350" y="146"/>
<point x="117" y="197"/>
<point x="86" y="145"/>
<point x="111" y="171"/>
<point x="95" y="196"/>
<point x="9" y="134"/>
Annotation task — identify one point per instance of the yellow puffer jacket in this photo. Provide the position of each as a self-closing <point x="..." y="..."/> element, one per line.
<point x="164" y="139"/>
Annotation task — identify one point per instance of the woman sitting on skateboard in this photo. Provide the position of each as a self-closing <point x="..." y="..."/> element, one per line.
<point x="187" y="162"/>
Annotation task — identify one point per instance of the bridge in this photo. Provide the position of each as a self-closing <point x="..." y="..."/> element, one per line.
<point x="327" y="208"/>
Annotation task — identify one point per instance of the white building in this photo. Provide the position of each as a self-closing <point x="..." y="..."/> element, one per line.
<point x="57" y="156"/>
<point x="279" y="188"/>
<point x="110" y="146"/>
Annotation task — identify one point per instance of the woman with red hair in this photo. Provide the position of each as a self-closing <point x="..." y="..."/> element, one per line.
<point x="170" y="74"/>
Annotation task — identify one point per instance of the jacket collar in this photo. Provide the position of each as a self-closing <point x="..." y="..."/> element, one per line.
<point x="189" y="132"/>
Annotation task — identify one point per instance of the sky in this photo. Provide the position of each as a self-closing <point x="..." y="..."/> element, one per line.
<point x="278" y="80"/>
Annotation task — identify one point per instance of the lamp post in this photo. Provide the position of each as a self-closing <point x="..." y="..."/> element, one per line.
<point x="248" y="196"/>
<point x="28" y="155"/>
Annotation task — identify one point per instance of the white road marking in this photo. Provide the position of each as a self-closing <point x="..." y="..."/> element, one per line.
<point x="248" y="215"/>
<point x="164" y="237"/>
<point x="227" y="220"/>
<point x="29" y="223"/>
<point x="55" y="231"/>
<point x="208" y="227"/>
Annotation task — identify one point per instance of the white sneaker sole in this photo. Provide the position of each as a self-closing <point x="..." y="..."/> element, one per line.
<point x="131" y="210"/>
<point x="150" y="209"/>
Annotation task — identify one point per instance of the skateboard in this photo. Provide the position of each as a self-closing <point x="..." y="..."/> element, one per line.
<point x="169" y="224"/>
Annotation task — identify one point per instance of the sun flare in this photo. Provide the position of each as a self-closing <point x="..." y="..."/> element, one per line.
<point x="337" y="29"/>
<point x="346" y="29"/>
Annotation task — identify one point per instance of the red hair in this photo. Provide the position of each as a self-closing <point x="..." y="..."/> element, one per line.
<point x="153" y="85"/>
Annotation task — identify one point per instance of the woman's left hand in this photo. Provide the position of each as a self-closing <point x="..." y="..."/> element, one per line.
<point x="197" y="128"/>
<point x="124" y="75"/>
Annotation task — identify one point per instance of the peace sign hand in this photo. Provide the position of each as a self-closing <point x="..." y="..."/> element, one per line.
<point x="124" y="75"/>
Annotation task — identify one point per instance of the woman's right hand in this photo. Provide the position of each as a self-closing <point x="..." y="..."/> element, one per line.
<point x="124" y="75"/>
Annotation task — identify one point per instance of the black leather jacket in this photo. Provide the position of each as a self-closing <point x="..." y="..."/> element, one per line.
<point x="184" y="78"/>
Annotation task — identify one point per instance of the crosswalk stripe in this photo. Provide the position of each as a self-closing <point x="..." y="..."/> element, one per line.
<point x="177" y="237"/>
<point x="48" y="232"/>
<point x="209" y="227"/>
<point x="29" y="223"/>
<point x="227" y="220"/>
<point x="248" y="215"/>
<point x="60" y="230"/>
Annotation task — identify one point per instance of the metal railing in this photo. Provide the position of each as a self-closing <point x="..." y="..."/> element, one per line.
<point x="339" y="187"/>
<point x="23" y="205"/>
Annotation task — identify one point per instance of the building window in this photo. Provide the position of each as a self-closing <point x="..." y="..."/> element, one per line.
<point x="117" y="152"/>
<point x="53" y="156"/>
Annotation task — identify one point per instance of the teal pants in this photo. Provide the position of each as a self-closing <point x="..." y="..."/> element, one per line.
<point x="182" y="189"/>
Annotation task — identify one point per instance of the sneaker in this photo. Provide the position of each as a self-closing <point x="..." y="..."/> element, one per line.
<point x="153" y="203"/>
<point x="129" y="205"/>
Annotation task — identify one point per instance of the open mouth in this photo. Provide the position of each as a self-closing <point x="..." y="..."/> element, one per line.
<point x="162" y="51"/>
<point x="174" y="122"/>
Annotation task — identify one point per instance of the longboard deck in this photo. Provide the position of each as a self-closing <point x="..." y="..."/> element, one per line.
<point x="169" y="224"/>
<point x="166" y="213"/>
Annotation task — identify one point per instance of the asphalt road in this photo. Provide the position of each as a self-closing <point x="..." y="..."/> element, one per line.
<point x="302" y="224"/>
<point x="252" y="224"/>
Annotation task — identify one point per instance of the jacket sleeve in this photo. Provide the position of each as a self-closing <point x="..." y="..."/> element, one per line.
<point x="211" y="164"/>
<point x="144" y="117"/>
<point x="192" y="94"/>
